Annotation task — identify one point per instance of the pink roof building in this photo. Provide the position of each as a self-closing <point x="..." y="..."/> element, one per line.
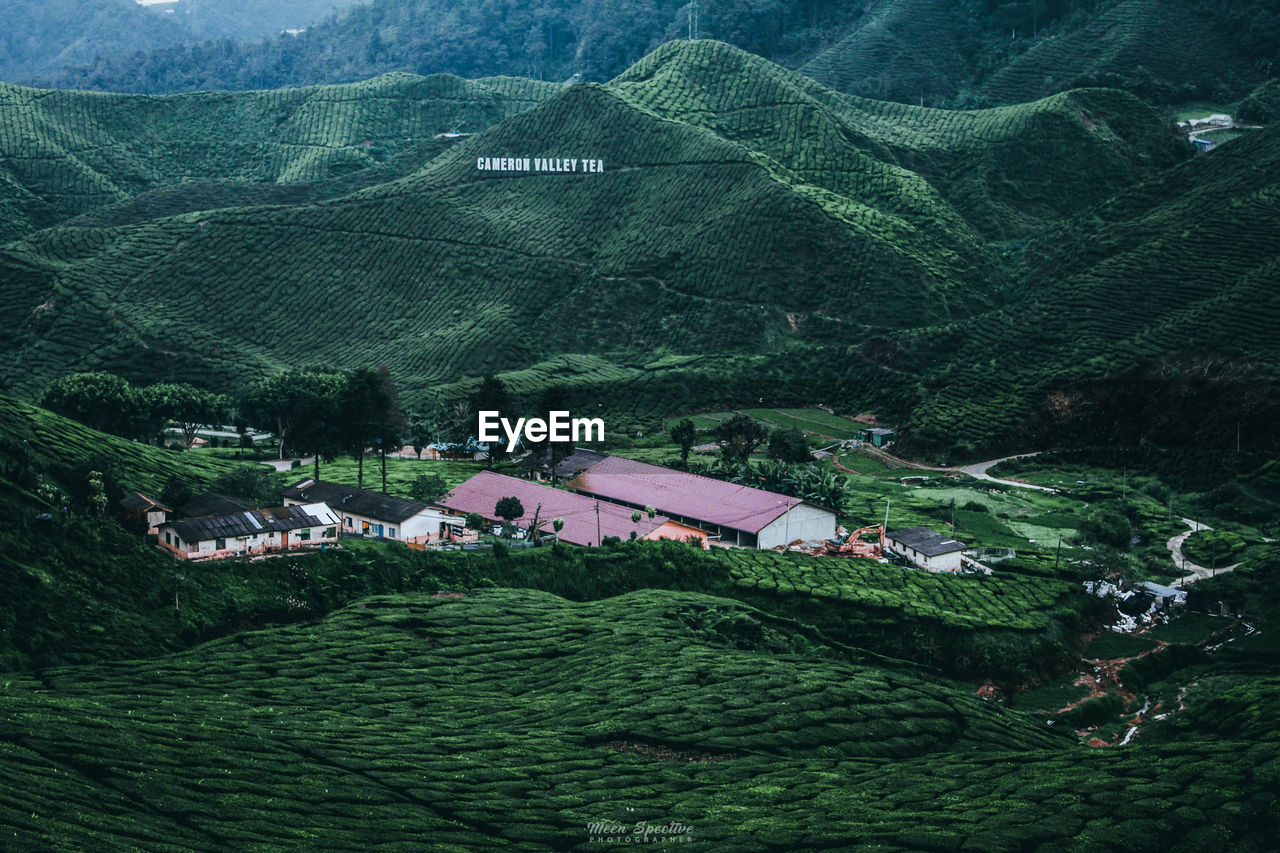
<point x="739" y="515"/>
<point x="586" y="520"/>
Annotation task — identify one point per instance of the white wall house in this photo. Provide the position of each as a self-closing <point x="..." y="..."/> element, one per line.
<point x="250" y="533"/>
<point x="365" y="513"/>
<point x="927" y="549"/>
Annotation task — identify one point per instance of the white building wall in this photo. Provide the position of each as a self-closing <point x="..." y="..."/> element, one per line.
<point x="949" y="562"/>
<point x="803" y="521"/>
<point x="425" y="523"/>
<point x="944" y="562"/>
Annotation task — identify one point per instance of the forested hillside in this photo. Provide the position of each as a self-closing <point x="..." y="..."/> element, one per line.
<point x="1152" y="318"/>
<point x="44" y="37"/>
<point x="745" y="220"/>
<point x="966" y="54"/>
<point x="937" y="52"/>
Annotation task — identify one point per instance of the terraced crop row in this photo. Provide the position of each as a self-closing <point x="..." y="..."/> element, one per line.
<point x="435" y="273"/>
<point x="515" y="718"/>
<point x="78" y="151"/>
<point x="1004" y="601"/>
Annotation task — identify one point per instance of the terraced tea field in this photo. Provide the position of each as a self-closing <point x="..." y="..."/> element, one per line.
<point x="56" y="442"/>
<point x="67" y="153"/>
<point x="751" y="228"/>
<point x="895" y="595"/>
<point x="515" y="718"/>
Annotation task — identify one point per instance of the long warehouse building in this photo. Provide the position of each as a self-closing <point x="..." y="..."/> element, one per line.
<point x="587" y="521"/>
<point x="737" y="515"/>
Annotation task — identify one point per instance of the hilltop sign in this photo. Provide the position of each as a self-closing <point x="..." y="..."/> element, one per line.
<point x="538" y="164"/>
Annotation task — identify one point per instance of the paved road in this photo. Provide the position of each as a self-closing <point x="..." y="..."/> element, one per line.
<point x="1180" y="560"/>
<point x="977" y="470"/>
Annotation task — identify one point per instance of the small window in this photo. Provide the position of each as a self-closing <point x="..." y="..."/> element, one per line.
<point x="348" y="521"/>
<point x="330" y="532"/>
<point x="219" y="544"/>
<point x="304" y="534"/>
<point x="167" y="540"/>
<point x="391" y="531"/>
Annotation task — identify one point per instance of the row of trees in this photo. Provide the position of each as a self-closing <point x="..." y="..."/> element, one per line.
<point x="311" y="412"/>
<point x="787" y="473"/>
<point x="320" y="414"/>
<point x="110" y="404"/>
<point x="739" y="437"/>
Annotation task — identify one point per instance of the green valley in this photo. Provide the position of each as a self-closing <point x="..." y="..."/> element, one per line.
<point x="928" y="352"/>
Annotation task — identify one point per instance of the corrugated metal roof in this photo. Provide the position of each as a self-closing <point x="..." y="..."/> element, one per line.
<point x="705" y="499"/>
<point x="356" y="501"/>
<point x="138" y="502"/>
<point x="482" y="492"/>
<point x="250" y="523"/>
<point x="929" y="542"/>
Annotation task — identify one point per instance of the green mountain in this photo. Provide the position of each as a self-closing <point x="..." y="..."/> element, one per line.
<point x="746" y="219"/>
<point x="63" y="154"/>
<point x="930" y="52"/>
<point x="43" y="37"/>
<point x="1168" y="51"/>
<point x="1154" y="313"/>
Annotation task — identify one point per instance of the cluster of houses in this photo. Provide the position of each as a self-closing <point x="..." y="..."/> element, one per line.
<point x="602" y="496"/>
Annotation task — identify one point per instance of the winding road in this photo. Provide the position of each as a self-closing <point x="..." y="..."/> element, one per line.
<point x="1179" y="559"/>
<point x="977" y="470"/>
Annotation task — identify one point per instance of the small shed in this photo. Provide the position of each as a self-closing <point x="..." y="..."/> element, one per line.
<point x="142" y="510"/>
<point x="876" y="436"/>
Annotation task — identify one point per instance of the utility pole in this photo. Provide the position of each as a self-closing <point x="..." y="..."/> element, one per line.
<point x="1057" y="556"/>
<point x="599" y="541"/>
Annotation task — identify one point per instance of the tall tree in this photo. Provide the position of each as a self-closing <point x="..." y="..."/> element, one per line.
<point x="102" y="401"/>
<point x="554" y="398"/>
<point x="788" y="444"/>
<point x="491" y="396"/>
<point x="186" y="405"/>
<point x="276" y="403"/>
<point x="370" y="416"/>
<point x="317" y="424"/>
<point x="738" y="437"/>
<point x="684" y="433"/>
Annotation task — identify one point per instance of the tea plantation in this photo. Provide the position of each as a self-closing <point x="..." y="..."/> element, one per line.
<point x="512" y="718"/>
<point x="751" y="230"/>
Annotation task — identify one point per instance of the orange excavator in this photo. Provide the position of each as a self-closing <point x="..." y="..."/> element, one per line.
<point x="853" y="546"/>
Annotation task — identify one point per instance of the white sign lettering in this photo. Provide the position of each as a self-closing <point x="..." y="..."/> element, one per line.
<point x="575" y="165"/>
